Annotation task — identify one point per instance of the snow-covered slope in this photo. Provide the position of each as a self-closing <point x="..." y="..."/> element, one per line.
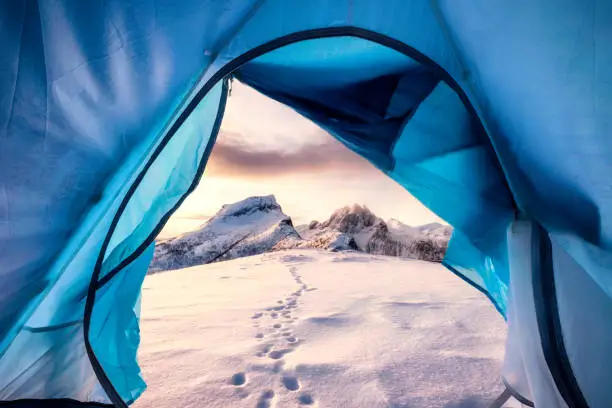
<point x="248" y="227"/>
<point x="312" y="328"/>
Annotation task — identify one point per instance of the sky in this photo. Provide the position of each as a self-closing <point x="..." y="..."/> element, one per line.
<point x="267" y="148"/>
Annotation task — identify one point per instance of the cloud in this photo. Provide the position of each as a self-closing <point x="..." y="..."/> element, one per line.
<point x="232" y="157"/>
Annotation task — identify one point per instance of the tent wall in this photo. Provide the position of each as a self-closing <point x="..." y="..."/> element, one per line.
<point x="65" y="303"/>
<point x="541" y="82"/>
<point x="169" y="177"/>
<point x="75" y="108"/>
<point x="114" y="331"/>
<point x="81" y="111"/>
<point x="584" y="314"/>
<point x="49" y="362"/>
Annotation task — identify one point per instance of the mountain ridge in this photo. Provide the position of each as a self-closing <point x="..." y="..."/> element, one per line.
<point x="257" y="225"/>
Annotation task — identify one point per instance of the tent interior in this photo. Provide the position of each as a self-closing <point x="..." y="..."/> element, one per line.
<point x="78" y="338"/>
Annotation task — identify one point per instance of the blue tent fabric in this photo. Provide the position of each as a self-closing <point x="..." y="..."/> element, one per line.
<point x="108" y="112"/>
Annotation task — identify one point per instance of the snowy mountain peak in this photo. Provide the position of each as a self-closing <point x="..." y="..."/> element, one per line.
<point x="351" y="219"/>
<point x="249" y="206"/>
<point x="248" y="227"/>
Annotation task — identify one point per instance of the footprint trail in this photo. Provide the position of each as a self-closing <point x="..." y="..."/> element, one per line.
<point x="274" y="324"/>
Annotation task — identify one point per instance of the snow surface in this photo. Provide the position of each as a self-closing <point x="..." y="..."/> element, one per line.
<point x="305" y="328"/>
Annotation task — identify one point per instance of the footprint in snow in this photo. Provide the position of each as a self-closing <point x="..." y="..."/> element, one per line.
<point x="277" y="325"/>
<point x="291" y="383"/>
<point x="259" y="336"/>
<point x="257" y="315"/>
<point x="306" y="399"/>
<point x="278" y="354"/>
<point x="238" y="379"/>
<point x="263" y="403"/>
